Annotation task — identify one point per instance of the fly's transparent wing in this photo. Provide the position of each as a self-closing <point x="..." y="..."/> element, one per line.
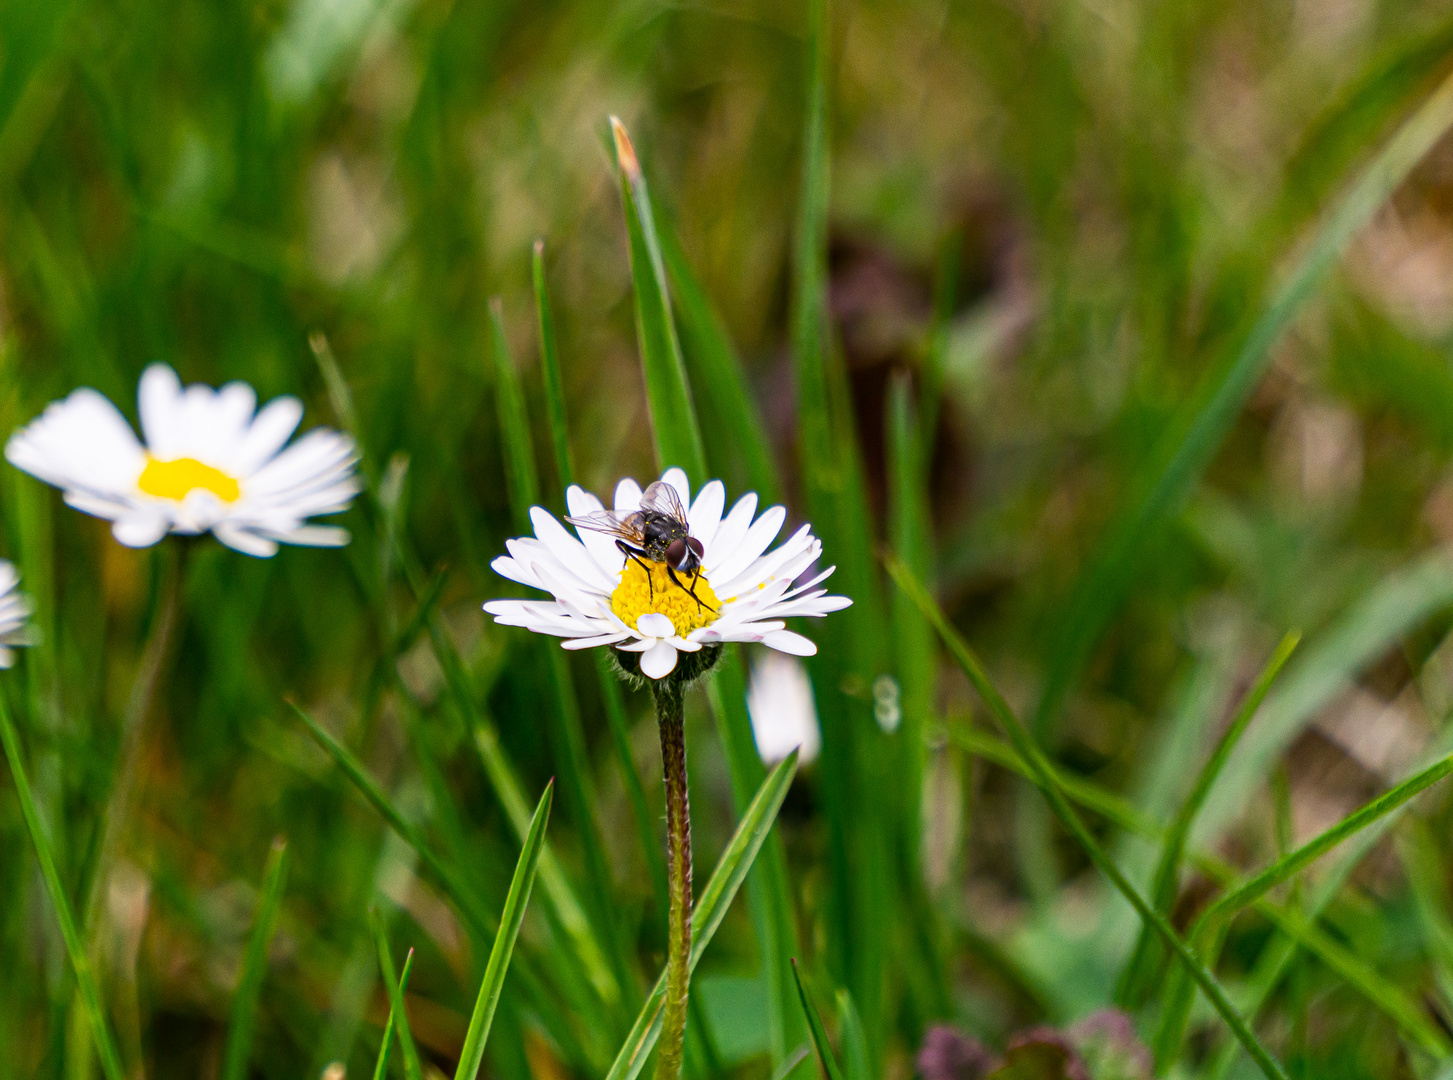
<point x="664" y="499"/>
<point x="626" y="527"/>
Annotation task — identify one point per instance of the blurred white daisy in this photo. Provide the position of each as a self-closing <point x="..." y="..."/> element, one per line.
<point x="14" y="610"/>
<point x="784" y="716"/>
<point x="211" y="461"/>
<point x="637" y="582"/>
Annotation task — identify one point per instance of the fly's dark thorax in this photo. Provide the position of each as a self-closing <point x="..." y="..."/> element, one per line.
<point x="658" y="531"/>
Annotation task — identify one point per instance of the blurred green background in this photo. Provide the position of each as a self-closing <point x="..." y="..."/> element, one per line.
<point x="1051" y="226"/>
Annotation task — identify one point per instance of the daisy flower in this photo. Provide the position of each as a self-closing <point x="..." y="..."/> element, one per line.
<point x="14" y="610"/>
<point x="211" y="462"/>
<point x="716" y="584"/>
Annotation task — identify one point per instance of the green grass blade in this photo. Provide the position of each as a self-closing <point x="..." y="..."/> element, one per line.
<point x="567" y="736"/>
<point x="1167" y="872"/>
<point x="1298" y="930"/>
<point x="90" y="996"/>
<point x="521" y="475"/>
<point x="814" y="1025"/>
<point x="711" y="907"/>
<point x="380" y="1066"/>
<point x="504" y="943"/>
<point x="717" y="376"/>
<point x="1298" y="860"/>
<point x="243" y="1023"/>
<point x="1192" y="443"/>
<point x="673" y="417"/>
<point x="610" y="690"/>
<point x="462" y="895"/>
<point x="854" y="764"/>
<point x="850" y="1033"/>
<point x="550" y="371"/>
<point x="1045" y="780"/>
<point x="412" y="1069"/>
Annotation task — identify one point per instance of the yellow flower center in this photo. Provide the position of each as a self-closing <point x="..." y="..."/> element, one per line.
<point x="639" y="595"/>
<point x="176" y="479"/>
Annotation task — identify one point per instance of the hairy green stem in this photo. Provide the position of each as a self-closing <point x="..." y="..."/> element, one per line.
<point x="670" y="717"/>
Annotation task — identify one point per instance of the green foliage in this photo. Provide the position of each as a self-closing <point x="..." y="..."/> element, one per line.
<point x="1124" y="331"/>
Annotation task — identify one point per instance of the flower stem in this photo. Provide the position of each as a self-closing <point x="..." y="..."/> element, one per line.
<point x="670" y="719"/>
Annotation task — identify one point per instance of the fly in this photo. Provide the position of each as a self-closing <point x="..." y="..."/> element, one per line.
<point x="657" y="531"/>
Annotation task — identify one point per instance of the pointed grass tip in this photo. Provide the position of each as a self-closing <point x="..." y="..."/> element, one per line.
<point x="625" y="152"/>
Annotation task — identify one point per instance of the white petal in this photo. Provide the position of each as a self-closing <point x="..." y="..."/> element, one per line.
<point x="729" y="534"/>
<point x="788" y="642"/>
<point x="628" y="496"/>
<point x="316" y="536"/>
<point x="159" y="399"/>
<point x="81" y="441"/>
<point x="654" y="624"/>
<point x="705" y="513"/>
<point x="242" y="540"/>
<point x="7" y="657"/>
<point x="573" y="555"/>
<point x="270" y="428"/>
<point x="602" y="548"/>
<point x="659" y="661"/>
<point x="784" y="715"/>
<point x="676" y="477"/>
<point x="141" y="530"/>
<point x="763" y="531"/>
<point x="639" y="645"/>
<point x="590" y="642"/>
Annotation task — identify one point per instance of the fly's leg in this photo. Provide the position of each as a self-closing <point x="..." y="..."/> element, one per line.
<point x="634" y="555"/>
<point x="691" y="592"/>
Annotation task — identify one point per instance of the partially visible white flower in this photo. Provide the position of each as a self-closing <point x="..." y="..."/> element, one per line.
<point x="212" y="461"/>
<point x="743" y="591"/>
<point x="784" y="716"/>
<point x="14" y="610"/>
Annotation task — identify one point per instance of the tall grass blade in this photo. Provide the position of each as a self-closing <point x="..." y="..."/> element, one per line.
<point x="504" y="942"/>
<point x="854" y="764"/>
<point x="550" y="371"/>
<point x="1044" y="779"/>
<point x="567" y="736"/>
<point x="850" y="1035"/>
<point x="717" y="377"/>
<point x="814" y="1025"/>
<point x="412" y="1069"/>
<point x="1163" y="890"/>
<point x="610" y="688"/>
<point x="673" y="418"/>
<point x="90" y="996"/>
<point x="1191" y="443"/>
<point x="711" y="907"/>
<point x="772" y="914"/>
<point x="380" y="1066"/>
<point x="243" y="1022"/>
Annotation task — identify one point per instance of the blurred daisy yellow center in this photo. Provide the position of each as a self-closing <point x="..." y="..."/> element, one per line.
<point x="637" y="595"/>
<point x="178" y="479"/>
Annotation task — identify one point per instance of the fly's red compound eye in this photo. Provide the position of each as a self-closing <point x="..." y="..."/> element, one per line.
<point x="676" y="553"/>
<point x="695" y="545"/>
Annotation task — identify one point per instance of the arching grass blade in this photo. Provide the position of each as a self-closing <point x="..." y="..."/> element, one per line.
<point x="673" y="417"/>
<point x="380" y="1066"/>
<point x="504" y="942"/>
<point x="90" y="996"/>
<point x="711" y="907"/>
<point x="1044" y="779"/>
<point x="412" y="1069"/>
<point x="814" y="1025"/>
<point x="243" y="1022"/>
<point x="1163" y="890"/>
